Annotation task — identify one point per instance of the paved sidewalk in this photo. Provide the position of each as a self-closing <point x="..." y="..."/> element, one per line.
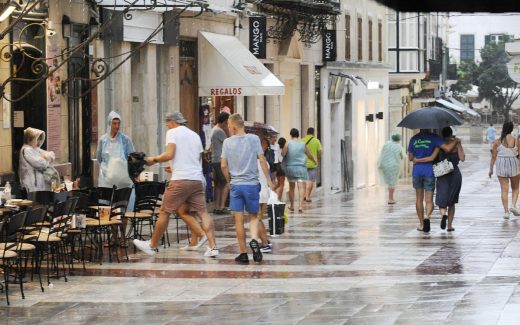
<point x="348" y="259"/>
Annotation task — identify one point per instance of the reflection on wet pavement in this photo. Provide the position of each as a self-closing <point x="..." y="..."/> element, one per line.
<point x="348" y="259"/>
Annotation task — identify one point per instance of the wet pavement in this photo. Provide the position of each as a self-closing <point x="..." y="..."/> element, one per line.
<point x="348" y="259"/>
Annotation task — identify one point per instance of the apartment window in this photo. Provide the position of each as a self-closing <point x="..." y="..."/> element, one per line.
<point x="347" y="38"/>
<point x="467" y="47"/>
<point x="380" y="41"/>
<point x="360" y="39"/>
<point x="370" y="40"/>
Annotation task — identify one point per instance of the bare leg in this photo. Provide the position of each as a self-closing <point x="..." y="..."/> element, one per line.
<point x="291" y="194"/>
<point x="504" y="187"/>
<point x="192" y="223"/>
<point x="253" y="226"/>
<point x="262" y="233"/>
<point x="196" y="233"/>
<point x="419" y="205"/>
<point x="209" y="229"/>
<point x="280" y="186"/>
<point x="160" y="227"/>
<point x="301" y="195"/>
<point x="239" y="228"/>
<point x="308" y="190"/>
<point x="391" y="191"/>
<point x="514" y="189"/>
<point x="223" y="196"/>
<point x="429" y="203"/>
<point x="451" y="215"/>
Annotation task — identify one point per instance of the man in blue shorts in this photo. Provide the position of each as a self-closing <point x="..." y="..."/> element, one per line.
<point x="239" y="163"/>
<point x="422" y="145"/>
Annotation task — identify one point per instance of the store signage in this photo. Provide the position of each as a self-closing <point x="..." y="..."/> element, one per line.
<point x="257" y="36"/>
<point x="329" y="45"/>
<point x="229" y="91"/>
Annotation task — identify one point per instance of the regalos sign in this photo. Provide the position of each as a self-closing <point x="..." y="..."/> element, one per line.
<point x="230" y="91"/>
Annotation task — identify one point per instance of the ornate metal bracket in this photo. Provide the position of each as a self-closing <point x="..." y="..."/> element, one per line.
<point x="99" y="66"/>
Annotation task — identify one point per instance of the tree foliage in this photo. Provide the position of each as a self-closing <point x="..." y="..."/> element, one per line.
<point x="491" y="77"/>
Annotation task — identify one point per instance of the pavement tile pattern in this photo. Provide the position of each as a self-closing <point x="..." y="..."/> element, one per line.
<point x="348" y="259"/>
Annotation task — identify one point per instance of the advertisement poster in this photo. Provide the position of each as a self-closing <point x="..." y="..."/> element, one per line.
<point x="53" y="102"/>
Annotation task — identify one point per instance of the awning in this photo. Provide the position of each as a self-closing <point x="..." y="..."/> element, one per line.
<point x="467" y="109"/>
<point x="457" y="106"/>
<point x="227" y="68"/>
<point x="451" y="106"/>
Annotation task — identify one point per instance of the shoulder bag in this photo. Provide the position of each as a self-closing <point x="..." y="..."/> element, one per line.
<point x="442" y="167"/>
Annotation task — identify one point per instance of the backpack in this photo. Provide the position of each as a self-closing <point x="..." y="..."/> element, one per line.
<point x="269" y="157"/>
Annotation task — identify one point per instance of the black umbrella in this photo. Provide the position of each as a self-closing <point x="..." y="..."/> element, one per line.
<point x="430" y="118"/>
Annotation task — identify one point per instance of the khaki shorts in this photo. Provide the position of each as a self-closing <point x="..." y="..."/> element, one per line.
<point x="181" y="191"/>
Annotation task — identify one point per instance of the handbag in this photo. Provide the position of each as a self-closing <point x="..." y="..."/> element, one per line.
<point x="442" y="168"/>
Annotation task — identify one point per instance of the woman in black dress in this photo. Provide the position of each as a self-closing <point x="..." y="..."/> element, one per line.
<point x="449" y="185"/>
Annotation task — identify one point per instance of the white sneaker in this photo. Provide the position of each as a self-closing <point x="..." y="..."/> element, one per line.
<point x="506" y="215"/>
<point x="144" y="246"/>
<point x="189" y="248"/>
<point x="515" y="211"/>
<point x="202" y="241"/>
<point x="211" y="252"/>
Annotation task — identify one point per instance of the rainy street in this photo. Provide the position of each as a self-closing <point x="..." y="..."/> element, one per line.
<point x="348" y="259"/>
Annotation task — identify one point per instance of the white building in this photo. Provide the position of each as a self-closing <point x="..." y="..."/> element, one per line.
<point x="468" y="33"/>
<point x="359" y="118"/>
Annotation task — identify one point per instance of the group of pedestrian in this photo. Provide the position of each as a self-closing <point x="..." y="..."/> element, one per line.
<point x="424" y="149"/>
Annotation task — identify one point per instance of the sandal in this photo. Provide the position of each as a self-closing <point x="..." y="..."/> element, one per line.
<point x="300" y="210"/>
<point x="291" y="209"/>
<point x="391" y="202"/>
<point x="450" y="229"/>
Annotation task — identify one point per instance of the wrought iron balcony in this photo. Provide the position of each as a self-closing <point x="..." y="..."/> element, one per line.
<point x="309" y="17"/>
<point x="313" y="7"/>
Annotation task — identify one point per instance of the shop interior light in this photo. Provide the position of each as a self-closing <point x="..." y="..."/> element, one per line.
<point x="374" y="85"/>
<point x="8" y="9"/>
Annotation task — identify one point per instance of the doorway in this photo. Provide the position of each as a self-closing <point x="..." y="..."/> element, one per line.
<point x="33" y="106"/>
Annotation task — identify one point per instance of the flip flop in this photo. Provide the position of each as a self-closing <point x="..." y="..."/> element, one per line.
<point x="391" y="202"/>
<point x="291" y="209"/>
<point x="450" y="229"/>
<point x="300" y="210"/>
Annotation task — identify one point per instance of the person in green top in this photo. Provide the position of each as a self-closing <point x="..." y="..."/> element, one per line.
<point x="314" y="146"/>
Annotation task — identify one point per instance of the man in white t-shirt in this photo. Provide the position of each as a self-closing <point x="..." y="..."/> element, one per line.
<point x="184" y="150"/>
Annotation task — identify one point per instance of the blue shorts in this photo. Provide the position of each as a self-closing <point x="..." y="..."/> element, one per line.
<point x="424" y="182"/>
<point x="245" y="197"/>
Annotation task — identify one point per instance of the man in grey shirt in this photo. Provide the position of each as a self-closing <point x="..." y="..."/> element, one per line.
<point x="240" y="155"/>
<point x="218" y="135"/>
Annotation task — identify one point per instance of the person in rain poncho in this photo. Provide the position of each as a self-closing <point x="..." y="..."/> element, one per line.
<point x="389" y="164"/>
<point x="33" y="161"/>
<point x="112" y="155"/>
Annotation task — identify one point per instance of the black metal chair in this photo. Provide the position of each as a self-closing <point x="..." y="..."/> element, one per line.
<point x="9" y="258"/>
<point x="146" y="195"/>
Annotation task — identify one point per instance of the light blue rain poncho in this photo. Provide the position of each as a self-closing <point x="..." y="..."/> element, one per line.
<point x="389" y="163"/>
<point x="112" y="156"/>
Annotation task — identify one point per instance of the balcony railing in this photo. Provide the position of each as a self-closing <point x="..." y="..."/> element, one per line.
<point x="309" y="17"/>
